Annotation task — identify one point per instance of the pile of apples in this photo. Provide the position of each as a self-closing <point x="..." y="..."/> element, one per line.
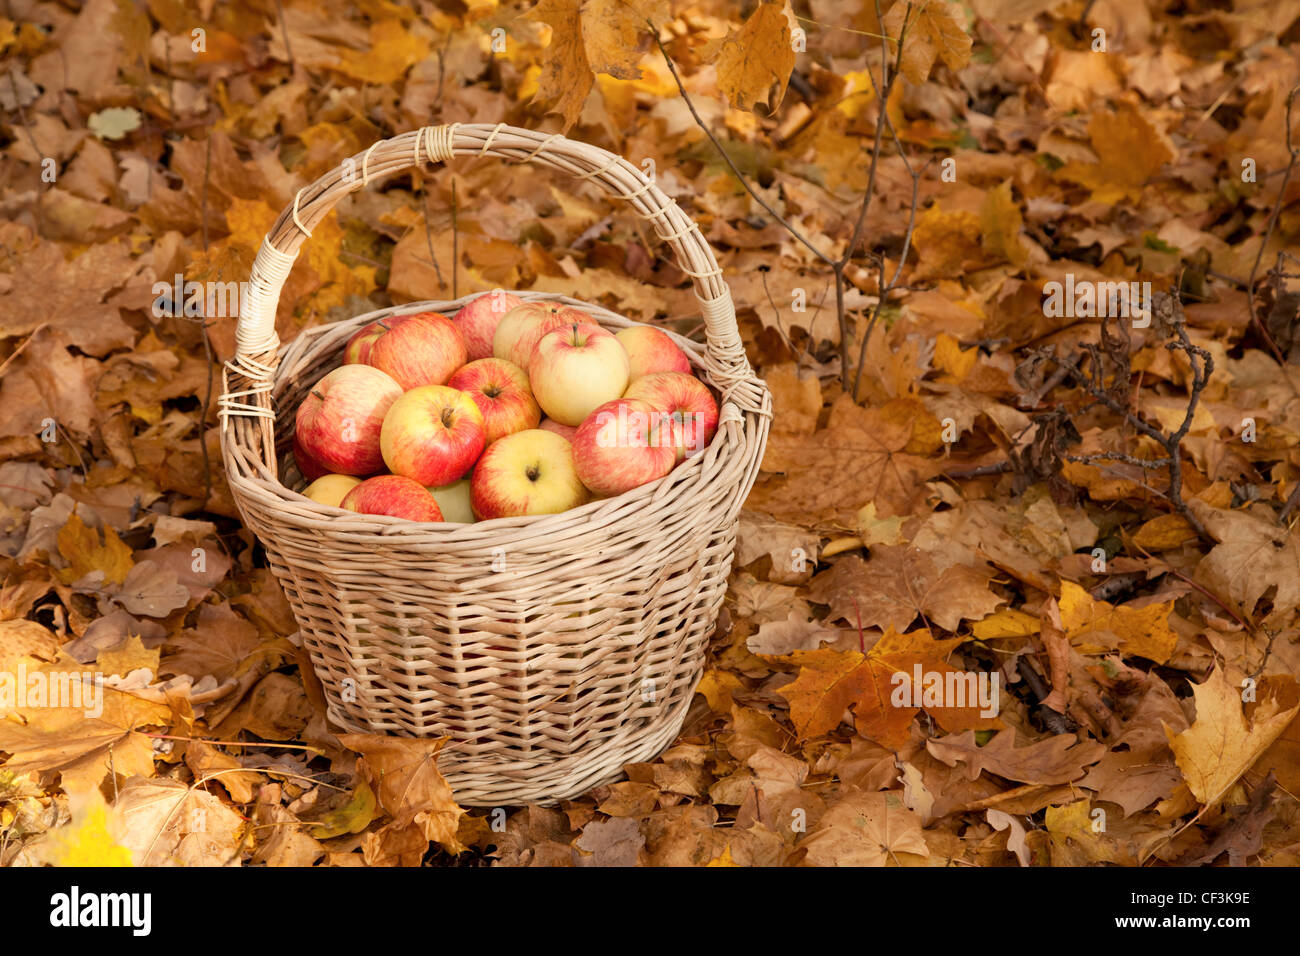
<point x="508" y="408"/>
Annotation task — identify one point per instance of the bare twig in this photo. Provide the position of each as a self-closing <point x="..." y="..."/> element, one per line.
<point x="1093" y="382"/>
<point x="284" y="30"/>
<point x="838" y="266"/>
<point x="740" y="177"/>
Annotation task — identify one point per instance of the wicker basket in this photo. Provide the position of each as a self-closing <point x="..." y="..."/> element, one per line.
<point x="551" y="650"/>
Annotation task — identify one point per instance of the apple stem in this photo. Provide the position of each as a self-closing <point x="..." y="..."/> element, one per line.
<point x="381" y="324"/>
<point x="317" y="394"/>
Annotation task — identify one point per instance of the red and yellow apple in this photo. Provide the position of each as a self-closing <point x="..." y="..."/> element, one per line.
<point x="424" y="350"/>
<point x="330" y="489"/>
<point x="454" y="500"/>
<point x="687" y="401"/>
<point x="357" y="351"/>
<point x="650" y="350"/>
<point x="308" y="466"/>
<point x="576" y="369"/>
<point x="478" y="321"/>
<point x="564" y="431"/>
<point x="500" y="390"/>
<point x="528" y="473"/>
<point x="622" y="445"/>
<point x="432" y="434"/>
<point x="338" y="424"/>
<point x="520" y="328"/>
<point x="395" y="496"/>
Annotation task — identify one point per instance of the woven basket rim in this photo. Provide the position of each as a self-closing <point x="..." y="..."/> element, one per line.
<point x="386" y="528"/>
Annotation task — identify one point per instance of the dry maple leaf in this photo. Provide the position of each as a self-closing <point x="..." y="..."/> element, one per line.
<point x="166" y="823"/>
<point x="792" y="549"/>
<point x="1130" y="151"/>
<point x="1139" y="769"/>
<point x="615" y="842"/>
<point x="897" y="584"/>
<point x="221" y="644"/>
<point x="1058" y="759"/>
<point x="1243" y="834"/>
<point x="80" y="545"/>
<point x="616" y="32"/>
<point x="589" y="37"/>
<point x="1252" y="557"/>
<point x="860" y="456"/>
<point x="1095" y="627"/>
<point x="754" y="63"/>
<point x="1221" y="744"/>
<point x="1077" y="841"/>
<point x="403" y="771"/>
<point x="935" y="29"/>
<point x="830" y="681"/>
<point x="68" y="740"/>
<point x="69" y="295"/>
<point x="865" y="829"/>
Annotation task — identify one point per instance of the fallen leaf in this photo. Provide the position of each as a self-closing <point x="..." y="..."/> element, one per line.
<point x="1058" y="759"/>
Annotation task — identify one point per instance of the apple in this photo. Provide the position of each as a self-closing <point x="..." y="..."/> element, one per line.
<point x="564" y="431"/>
<point x="622" y="445"/>
<point x="308" y="466"/>
<point x="424" y="350"/>
<point x="392" y="495"/>
<point x="330" y="489"/>
<point x="528" y="473"/>
<point x="651" y="350"/>
<point x="575" y="369"/>
<point x="478" y="321"/>
<point x="688" y="401"/>
<point x="520" y="328"/>
<point x="500" y="390"/>
<point x="339" y="422"/>
<point x="453" y="499"/>
<point x="432" y="434"/>
<point x="357" y="351"/>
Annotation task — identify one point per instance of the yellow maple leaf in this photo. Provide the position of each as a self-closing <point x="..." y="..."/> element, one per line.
<point x="84" y="551"/>
<point x="616" y="32"/>
<point x="392" y="51"/>
<point x="947" y="243"/>
<point x="935" y="29"/>
<point x="754" y="63"/>
<point x="1095" y="626"/>
<point x="1164" y="533"/>
<point x="1130" y="150"/>
<point x="1005" y="623"/>
<point x="1000" y="223"/>
<point x="1221" y="745"/>
<point x="566" y="76"/>
<point x="829" y="681"/>
<point x="723" y="860"/>
<point x="128" y="656"/>
<point x="86" y="841"/>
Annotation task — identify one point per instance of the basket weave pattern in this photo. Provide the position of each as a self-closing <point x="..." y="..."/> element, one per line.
<point x="552" y="650"/>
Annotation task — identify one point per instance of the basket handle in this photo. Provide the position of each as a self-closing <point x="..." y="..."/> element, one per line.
<point x="256" y="341"/>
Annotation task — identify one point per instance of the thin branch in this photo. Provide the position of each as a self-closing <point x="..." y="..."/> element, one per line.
<point x="699" y="121"/>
